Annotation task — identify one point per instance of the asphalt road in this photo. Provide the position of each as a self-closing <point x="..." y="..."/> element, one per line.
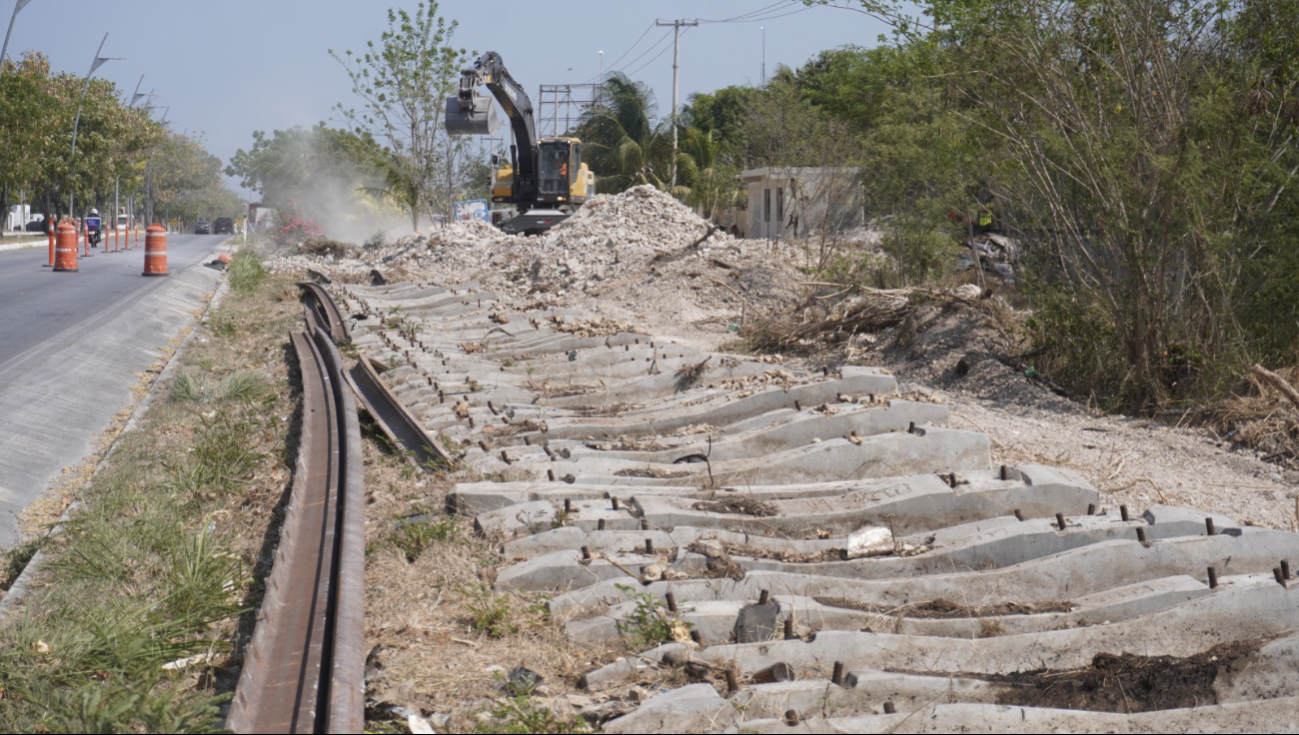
<point x="72" y="346"/>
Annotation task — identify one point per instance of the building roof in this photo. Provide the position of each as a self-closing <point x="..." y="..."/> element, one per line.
<point x="797" y="172"/>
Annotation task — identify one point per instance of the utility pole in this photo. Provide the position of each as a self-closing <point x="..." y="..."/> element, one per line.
<point x="764" y="54"/>
<point x="676" y="65"/>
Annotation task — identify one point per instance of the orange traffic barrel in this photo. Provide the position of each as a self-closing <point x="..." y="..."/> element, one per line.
<point x="65" y="248"/>
<point x="155" y="250"/>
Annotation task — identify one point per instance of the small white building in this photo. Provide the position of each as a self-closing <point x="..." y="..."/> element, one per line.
<point x="802" y="201"/>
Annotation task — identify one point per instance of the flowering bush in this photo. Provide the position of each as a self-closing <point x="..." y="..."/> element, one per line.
<point x="292" y="228"/>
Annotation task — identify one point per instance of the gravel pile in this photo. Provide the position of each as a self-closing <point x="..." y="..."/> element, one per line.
<point x="631" y="256"/>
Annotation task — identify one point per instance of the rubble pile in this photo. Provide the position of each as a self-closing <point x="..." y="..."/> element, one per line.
<point x="636" y="254"/>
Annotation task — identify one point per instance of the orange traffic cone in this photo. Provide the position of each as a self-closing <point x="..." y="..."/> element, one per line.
<point x="65" y="251"/>
<point x="155" y="251"/>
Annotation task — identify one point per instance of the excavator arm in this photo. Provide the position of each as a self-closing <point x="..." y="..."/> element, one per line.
<point x="469" y="113"/>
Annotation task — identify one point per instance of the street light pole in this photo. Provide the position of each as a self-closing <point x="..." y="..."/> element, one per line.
<point x="117" y="180"/>
<point x="4" y="50"/>
<point x="72" y="161"/>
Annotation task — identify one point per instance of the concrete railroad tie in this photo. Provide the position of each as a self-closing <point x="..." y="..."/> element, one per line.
<point x="619" y="467"/>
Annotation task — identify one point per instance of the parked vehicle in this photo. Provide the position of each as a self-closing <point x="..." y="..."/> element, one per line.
<point x="223" y="226"/>
<point x="202" y="227"/>
<point x="36" y="225"/>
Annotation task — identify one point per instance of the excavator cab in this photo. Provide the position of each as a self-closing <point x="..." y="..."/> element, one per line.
<point x="560" y="166"/>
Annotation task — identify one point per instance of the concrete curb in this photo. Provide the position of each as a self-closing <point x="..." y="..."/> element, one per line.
<point x="26" y="579"/>
<point x="5" y="247"/>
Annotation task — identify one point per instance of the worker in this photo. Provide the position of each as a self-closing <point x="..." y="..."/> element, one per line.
<point x="563" y="169"/>
<point x="984" y="220"/>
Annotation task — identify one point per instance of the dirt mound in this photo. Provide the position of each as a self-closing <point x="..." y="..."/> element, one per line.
<point x="639" y="257"/>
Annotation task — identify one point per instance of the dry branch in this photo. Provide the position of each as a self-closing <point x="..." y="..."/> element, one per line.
<point x="1278" y="382"/>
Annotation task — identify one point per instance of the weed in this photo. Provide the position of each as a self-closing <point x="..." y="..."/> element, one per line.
<point x="223" y="324"/>
<point x="246" y="271"/>
<point x="221" y="457"/>
<point x="187" y="387"/>
<point x="521" y="714"/>
<point x="200" y="580"/>
<point x="491" y="612"/>
<point x="244" y="386"/>
<point x="413" y="537"/>
<point x="649" y="624"/>
<point x="113" y="707"/>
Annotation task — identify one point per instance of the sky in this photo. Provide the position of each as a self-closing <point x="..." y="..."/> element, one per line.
<point x="226" y="68"/>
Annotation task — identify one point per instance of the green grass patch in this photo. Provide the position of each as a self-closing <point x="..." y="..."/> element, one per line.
<point x="246" y="271"/>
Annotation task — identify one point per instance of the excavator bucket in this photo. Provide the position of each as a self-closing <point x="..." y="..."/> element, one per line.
<point x="473" y="116"/>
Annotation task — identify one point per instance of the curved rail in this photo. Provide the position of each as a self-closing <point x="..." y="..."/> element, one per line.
<point x="322" y="312"/>
<point x="304" y="667"/>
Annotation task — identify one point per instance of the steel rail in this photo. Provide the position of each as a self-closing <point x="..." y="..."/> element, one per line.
<point x="394" y="419"/>
<point x="304" y="667"/>
<point x="322" y="312"/>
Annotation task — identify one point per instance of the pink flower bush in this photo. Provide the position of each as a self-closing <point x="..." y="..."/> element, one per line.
<point x="292" y="229"/>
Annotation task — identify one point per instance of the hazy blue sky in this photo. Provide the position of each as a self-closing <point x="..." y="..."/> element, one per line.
<point x="226" y="68"/>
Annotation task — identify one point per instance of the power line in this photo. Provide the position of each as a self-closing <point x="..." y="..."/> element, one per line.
<point x="656" y="56"/>
<point x="744" y="15"/>
<point x="615" y="62"/>
<point x="762" y="18"/>
<point x="665" y="37"/>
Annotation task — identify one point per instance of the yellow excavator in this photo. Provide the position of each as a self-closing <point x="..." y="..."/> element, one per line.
<point x="545" y="180"/>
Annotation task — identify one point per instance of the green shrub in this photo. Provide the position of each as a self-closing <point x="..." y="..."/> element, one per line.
<point x="246" y="271"/>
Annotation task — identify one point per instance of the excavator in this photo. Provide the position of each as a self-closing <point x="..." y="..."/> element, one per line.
<point x="544" y="180"/>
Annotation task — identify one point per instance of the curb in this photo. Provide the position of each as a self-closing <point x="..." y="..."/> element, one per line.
<point x="26" y="579"/>
<point x="23" y="245"/>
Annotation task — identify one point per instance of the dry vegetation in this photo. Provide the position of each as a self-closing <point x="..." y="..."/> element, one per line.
<point x="442" y="640"/>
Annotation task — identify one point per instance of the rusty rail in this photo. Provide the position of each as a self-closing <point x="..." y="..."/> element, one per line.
<point x="394" y="419"/>
<point x="304" y="667"/>
<point x="323" y="313"/>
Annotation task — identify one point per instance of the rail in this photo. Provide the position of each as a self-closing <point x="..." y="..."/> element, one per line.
<point x="323" y="313"/>
<point x="304" y="667"/>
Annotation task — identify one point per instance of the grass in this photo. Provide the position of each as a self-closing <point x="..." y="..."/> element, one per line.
<point x="161" y="563"/>
<point x="245" y="272"/>
<point x="490" y="613"/>
<point x="413" y="537"/>
<point x="649" y="623"/>
<point x="522" y="714"/>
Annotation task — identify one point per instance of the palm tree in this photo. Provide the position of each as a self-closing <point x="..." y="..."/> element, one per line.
<point x="403" y="187"/>
<point x="625" y="148"/>
<point x="709" y="178"/>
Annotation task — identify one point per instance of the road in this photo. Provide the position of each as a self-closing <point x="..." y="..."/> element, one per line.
<point x="71" y="348"/>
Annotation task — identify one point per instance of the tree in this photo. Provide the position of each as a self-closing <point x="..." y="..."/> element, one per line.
<point x="324" y="170"/>
<point x="720" y="113"/>
<point x="403" y="82"/>
<point x="710" y="180"/>
<point x="1143" y="149"/>
<point x="626" y="147"/>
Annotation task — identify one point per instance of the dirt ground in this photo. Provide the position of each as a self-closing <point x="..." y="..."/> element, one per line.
<point x="445" y="641"/>
<point x="1132" y="461"/>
